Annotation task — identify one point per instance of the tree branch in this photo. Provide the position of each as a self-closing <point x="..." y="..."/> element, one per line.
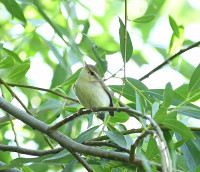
<point x="29" y="151"/>
<point x="169" y="59"/>
<point x="65" y="141"/>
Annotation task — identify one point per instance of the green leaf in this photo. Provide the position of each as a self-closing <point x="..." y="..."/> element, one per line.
<point x="63" y="157"/>
<point x="13" y="54"/>
<point x="129" y="47"/>
<point x="19" y="72"/>
<point x="155" y="108"/>
<point x="197" y="169"/>
<point x="176" y="42"/>
<point x="129" y="92"/>
<point x="70" y="166"/>
<point x="86" y="135"/>
<point x="179" y="128"/>
<point x="189" y="111"/>
<point x="13" y="7"/>
<point x="117" y="138"/>
<point x="72" y="79"/>
<point x="54" y="117"/>
<point x="7" y="62"/>
<point x="101" y="64"/>
<point x="145" y="19"/>
<point x="71" y="109"/>
<point x="174" y="26"/>
<point x="152" y="149"/>
<point x="119" y="117"/>
<point x="53" y="25"/>
<point x="168" y="95"/>
<point x="50" y="105"/>
<point x="180" y="64"/>
<point x="191" y="153"/>
<point x="195" y="80"/>
<point x="160" y="115"/>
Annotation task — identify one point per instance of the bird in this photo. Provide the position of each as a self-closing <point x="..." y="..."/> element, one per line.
<point x="91" y="90"/>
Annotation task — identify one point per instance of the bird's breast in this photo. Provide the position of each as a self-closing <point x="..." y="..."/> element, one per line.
<point x="92" y="94"/>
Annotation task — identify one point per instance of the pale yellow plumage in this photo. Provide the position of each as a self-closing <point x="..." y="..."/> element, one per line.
<point x="91" y="90"/>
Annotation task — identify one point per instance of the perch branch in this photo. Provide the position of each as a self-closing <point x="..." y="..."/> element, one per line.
<point x="65" y="141"/>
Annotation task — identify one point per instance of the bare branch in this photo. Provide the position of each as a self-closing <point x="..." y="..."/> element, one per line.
<point x="169" y="59"/>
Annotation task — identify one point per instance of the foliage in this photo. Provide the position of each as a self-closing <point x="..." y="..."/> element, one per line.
<point x="59" y="37"/>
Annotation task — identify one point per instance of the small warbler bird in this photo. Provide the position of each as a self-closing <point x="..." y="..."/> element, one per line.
<point x="91" y="90"/>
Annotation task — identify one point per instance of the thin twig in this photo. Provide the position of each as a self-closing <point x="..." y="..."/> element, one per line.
<point x="125" y="45"/>
<point x="70" y="118"/>
<point x="29" y="151"/>
<point x="11" y="123"/>
<point x="82" y="161"/>
<point x="42" y="89"/>
<point x="14" y="95"/>
<point x="169" y="59"/>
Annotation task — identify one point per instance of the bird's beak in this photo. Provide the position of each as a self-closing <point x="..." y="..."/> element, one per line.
<point x="86" y="65"/>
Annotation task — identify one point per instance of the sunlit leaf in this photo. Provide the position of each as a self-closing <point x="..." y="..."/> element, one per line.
<point x="145" y="19"/>
<point x="176" y="42"/>
<point x="174" y="26"/>
<point x="13" y="7"/>
<point x="195" y="80"/>
<point x="19" y="72"/>
<point x="13" y="54"/>
<point x="129" y="47"/>
<point x="72" y="79"/>
<point x="7" y="62"/>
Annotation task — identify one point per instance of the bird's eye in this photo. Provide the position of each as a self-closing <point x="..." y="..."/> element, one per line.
<point x="92" y="73"/>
